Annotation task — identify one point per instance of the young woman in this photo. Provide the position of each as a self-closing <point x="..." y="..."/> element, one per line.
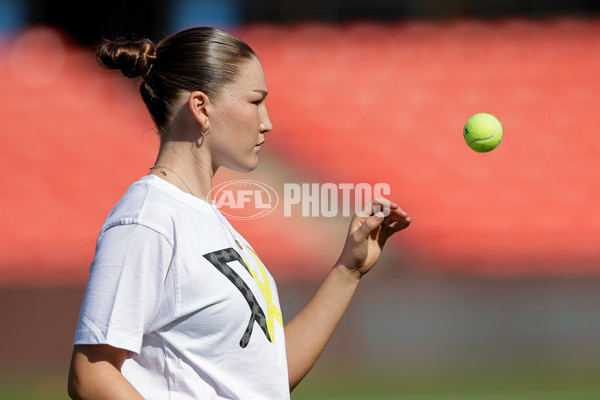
<point x="178" y="305"/>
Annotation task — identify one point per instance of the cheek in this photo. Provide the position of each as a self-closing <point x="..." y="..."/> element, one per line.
<point x="249" y="118"/>
<point x="241" y="119"/>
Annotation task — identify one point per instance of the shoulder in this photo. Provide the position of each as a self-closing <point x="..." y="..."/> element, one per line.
<point x="157" y="205"/>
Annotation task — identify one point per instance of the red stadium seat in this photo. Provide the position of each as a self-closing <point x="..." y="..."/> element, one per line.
<point x="354" y="102"/>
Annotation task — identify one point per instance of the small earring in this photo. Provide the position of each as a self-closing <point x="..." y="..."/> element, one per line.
<point x="205" y="132"/>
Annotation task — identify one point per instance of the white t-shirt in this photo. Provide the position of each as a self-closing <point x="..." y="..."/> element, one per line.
<point x="200" y="316"/>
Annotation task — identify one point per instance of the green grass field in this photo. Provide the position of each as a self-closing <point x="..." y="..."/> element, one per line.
<point x="328" y="382"/>
<point x="489" y="383"/>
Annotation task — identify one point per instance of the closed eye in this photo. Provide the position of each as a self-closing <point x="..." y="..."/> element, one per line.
<point x="263" y="96"/>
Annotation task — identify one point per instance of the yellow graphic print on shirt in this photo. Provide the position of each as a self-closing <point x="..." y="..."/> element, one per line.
<point x="273" y="313"/>
<point x="220" y="260"/>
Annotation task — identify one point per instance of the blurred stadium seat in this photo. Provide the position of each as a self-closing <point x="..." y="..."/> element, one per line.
<point x="376" y="102"/>
<point x="356" y="102"/>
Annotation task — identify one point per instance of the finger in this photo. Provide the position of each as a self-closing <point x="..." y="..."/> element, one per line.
<point x="378" y="204"/>
<point x="395" y="222"/>
<point x="384" y="201"/>
<point x="368" y="226"/>
<point x="396" y="215"/>
<point x="398" y="226"/>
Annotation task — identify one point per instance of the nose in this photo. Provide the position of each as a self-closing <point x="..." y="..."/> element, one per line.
<point x="266" y="125"/>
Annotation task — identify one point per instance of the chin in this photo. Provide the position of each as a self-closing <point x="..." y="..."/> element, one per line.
<point x="245" y="167"/>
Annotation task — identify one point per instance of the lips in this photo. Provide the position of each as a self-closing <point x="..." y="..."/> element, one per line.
<point x="260" y="144"/>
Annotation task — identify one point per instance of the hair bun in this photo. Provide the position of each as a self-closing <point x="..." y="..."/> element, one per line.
<point x="133" y="58"/>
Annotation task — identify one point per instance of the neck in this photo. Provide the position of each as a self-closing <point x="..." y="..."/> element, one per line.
<point x="185" y="168"/>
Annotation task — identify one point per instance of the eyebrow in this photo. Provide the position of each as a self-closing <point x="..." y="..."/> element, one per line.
<point x="263" y="92"/>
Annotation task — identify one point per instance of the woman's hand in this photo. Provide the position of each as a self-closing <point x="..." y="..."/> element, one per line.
<point x="368" y="232"/>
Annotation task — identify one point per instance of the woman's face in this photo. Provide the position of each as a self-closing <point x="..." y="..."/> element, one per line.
<point x="240" y="120"/>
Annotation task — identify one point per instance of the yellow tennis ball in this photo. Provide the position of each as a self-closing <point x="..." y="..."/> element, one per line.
<point x="483" y="132"/>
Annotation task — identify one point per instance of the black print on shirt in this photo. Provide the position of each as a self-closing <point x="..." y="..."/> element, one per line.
<point x="220" y="259"/>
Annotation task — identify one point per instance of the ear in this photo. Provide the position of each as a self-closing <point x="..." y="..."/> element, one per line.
<point x="200" y="107"/>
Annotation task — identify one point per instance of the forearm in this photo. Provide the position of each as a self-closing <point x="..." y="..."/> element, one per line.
<point x="97" y="379"/>
<point x="308" y="333"/>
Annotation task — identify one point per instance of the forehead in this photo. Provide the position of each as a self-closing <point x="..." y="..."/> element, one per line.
<point x="251" y="76"/>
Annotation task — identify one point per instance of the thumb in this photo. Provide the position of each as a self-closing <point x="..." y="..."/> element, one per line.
<point x="370" y="224"/>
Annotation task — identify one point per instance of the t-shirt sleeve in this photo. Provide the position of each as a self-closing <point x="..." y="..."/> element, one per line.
<point x="125" y="287"/>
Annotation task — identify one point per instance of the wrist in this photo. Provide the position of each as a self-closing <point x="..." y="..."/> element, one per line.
<point x="353" y="275"/>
